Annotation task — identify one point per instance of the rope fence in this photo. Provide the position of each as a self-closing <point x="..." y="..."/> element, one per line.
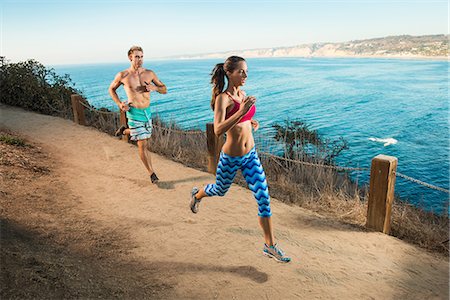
<point x="339" y="168"/>
<point x="194" y="132"/>
<point x="94" y="110"/>
<point x="431" y="186"/>
<point x="55" y="109"/>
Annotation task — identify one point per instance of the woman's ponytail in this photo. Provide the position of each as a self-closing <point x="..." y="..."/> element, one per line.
<point x="218" y="81"/>
<point x="219" y="73"/>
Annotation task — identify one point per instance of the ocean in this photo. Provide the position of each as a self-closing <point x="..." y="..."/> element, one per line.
<point x="379" y="106"/>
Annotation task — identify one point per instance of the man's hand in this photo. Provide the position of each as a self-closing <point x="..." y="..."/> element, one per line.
<point x="123" y="106"/>
<point x="150" y="87"/>
<point x="255" y="124"/>
<point x="146" y="88"/>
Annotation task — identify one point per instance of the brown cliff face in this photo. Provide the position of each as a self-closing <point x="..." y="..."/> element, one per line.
<point x="403" y="46"/>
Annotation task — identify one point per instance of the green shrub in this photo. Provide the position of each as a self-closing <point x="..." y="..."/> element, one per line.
<point x="302" y="143"/>
<point x="33" y="86"/>
<point x="12" y="140"/>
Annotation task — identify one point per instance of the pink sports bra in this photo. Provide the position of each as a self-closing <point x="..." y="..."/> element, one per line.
<point x="248" y="116"/>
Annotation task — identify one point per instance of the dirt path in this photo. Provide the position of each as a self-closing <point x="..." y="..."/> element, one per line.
<point x="145" y="235"/>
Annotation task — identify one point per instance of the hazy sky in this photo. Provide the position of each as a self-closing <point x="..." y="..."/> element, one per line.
<point x="71" y="32"/>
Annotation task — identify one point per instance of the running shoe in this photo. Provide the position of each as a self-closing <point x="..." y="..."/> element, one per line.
<point x="276" y="253"/>
<point x="120" y="131"/>
<point x="154" y="178"/>
<point x="194" y="201"/>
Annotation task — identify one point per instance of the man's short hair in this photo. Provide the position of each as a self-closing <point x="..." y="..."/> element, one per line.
<point x="134" y="48"/>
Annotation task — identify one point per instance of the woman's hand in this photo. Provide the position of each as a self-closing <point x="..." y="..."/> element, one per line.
<point x="246" y="104"/>
<point x="255" y="124"/>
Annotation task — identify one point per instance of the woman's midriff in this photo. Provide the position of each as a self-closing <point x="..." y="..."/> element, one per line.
<point x="239" y="140"/>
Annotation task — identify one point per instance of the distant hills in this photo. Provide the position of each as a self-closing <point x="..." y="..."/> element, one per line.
<point x="401" y="46"/>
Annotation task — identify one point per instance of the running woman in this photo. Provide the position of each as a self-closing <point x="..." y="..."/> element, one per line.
<point x="233" y="115"/>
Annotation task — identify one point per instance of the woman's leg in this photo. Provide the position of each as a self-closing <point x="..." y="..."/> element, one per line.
<point x="266" y="225"/>
<point x="256" y="179"/>
<point x="225" y="173"/>
<point x="253" y="173"/>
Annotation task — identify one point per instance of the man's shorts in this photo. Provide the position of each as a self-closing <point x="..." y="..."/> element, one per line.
<point x="139" y="123"/>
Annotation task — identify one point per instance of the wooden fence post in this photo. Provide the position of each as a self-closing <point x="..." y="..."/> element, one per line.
<point x="77" y="109"/>
<point x="381" y="192"/>
<point x="123" y="121"/>
<point x="214" y="144"/>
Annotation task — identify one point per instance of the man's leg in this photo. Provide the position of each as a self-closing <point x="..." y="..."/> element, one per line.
<point x="144" y="154"/>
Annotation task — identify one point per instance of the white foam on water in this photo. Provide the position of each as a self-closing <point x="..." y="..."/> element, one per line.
<point x="386" y="141"/>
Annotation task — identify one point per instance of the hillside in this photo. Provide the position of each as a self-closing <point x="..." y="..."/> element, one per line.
<point x="402" y="46"/>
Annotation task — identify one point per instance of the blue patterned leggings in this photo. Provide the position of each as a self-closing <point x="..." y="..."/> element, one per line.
<point x="253" y="173"/>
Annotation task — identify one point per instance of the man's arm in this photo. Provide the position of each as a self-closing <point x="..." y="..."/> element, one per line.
<point x="115" y="84"/>
<point x="157" y="86"/>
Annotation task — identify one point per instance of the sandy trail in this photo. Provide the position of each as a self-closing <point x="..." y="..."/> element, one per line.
<point x="217" y="252"/>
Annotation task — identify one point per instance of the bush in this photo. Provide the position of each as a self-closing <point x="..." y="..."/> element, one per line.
<point x="12" y="140"/>
<point x="33" y="86"/>
<point x="302" y="143"/>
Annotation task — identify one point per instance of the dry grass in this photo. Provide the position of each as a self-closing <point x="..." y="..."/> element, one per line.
<point x="186" y="147"/>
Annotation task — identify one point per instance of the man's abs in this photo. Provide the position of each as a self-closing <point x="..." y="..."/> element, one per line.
<point x="137" y="99"/>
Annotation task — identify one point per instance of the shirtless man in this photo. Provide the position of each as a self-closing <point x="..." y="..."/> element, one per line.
<point x="138" y="82"/>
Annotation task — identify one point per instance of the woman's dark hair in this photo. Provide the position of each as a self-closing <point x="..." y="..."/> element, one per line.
<point x="219" y="73"/>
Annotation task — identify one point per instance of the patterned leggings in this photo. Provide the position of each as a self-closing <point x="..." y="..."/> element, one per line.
<point x="253" y="173"/>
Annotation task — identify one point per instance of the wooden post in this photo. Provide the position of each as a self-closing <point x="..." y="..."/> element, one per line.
<point x="214" y="144"/>
<point x="74" y="100"/>
<point x="123" y="121"/>
<point x="77" y="109"/>
<point x="381" y="192"/>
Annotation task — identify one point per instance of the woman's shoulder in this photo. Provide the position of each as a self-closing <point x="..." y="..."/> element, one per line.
<point x="223" y="99"/>
<point x="223" y="96"/>
<point x="227" y="95"/>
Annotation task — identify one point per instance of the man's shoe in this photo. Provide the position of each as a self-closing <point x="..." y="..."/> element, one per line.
<point x="154" y="178"/>
<point x="120" y="131"/>
<point x="276" y="253"/>
<point x="194" y="201"/>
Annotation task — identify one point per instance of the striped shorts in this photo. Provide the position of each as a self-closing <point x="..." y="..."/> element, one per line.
<point x="140" y="123"/>
<point x="140" y="130"/>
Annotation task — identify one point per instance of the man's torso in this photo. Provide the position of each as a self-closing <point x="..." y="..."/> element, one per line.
<point x="133" y="83"/>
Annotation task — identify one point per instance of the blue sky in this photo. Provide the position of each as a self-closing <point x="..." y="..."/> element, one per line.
<point x="71" y="32"/>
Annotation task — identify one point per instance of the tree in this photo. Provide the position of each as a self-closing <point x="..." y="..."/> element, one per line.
<point x="33" y="86"/>
<point x="302" y="143"/>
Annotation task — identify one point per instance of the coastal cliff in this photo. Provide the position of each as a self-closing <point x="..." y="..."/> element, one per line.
<point x="402" y="46"/>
